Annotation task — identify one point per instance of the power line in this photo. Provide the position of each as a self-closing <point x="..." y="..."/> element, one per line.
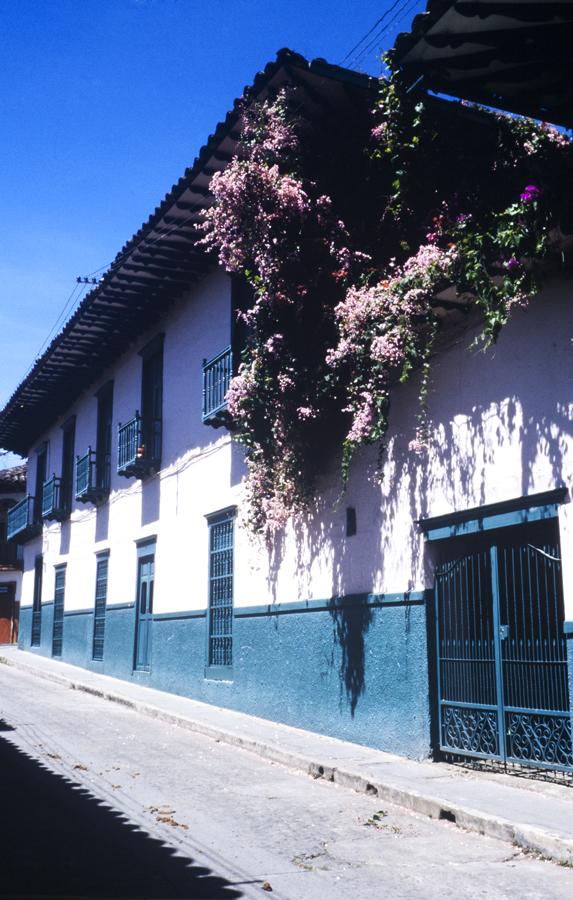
<point x="400" y="9"/>
<point x="400" y="14"/>
<point x="144" y="243"/>
<point x="70" y="302"/>
<point x="369" y="32"/>
<point x="82" y="282"/>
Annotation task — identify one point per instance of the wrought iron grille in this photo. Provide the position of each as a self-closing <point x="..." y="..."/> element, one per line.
<point x="51" y="505"/>
<point x="221" y="592"/>
<point x="37" y="602"/>
<point x="534" y="656"/>
<point x="36" y="627"/>
<point x="20" y="517"/>
<point x="85" y="474"/>
<point x="90" y="483"/>
<point x="100" y="608"/>
<point x="58" y="632"/>
<point x="130" y="443"/>
<point x="139" y="446"/>
<point x="502" y="655"/>
<point x="217" y="374"/>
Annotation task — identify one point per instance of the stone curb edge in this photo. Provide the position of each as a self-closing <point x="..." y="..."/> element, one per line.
<point x="537" y="840"/>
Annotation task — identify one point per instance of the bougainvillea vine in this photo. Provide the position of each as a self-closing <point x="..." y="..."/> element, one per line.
<point x="332" y="330"/>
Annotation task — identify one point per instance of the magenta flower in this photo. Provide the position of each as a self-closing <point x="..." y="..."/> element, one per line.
<point x="530" y="193"/>
<point x="512" y="264"/>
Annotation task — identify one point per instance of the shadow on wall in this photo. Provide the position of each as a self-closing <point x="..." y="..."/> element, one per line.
<point x="65" y="533"/>
<point x="351" y="622"/>
<point x="81" y="847"/>
<point x="503" y="428"/>
<point x="102" y="522"/>
<point x="150" y="490"/>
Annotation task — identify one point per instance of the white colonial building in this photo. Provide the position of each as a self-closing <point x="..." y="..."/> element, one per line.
<point x="429" y="609"/>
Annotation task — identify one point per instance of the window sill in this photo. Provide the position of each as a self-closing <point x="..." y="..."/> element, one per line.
<point x="219" y="673"/>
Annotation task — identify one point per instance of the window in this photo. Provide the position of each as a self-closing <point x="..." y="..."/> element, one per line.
<point x="220" y="648"/>
<point x="37" y="602"/>
<point x="67" y="479"/>
<point x="41" y="466"/>
<point x="100" y="605"/>
<point x="152" y="398"/>
<point x="59" y="591"/>
<point x="103" y="439"/>
<point x="139" y="440"/>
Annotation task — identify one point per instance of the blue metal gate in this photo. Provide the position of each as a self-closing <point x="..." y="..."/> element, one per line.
<point x="502" y="656"/>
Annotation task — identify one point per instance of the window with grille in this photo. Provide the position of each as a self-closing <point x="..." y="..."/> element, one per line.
<point x="37" y="602"/>
<point x="220" y="651"/>
<point x="41" y="470"/>
<point x="59" y="591"/>
<point x="67" y="481"/>
<point x="99" y="607"/>
<point x="103" y="440"/>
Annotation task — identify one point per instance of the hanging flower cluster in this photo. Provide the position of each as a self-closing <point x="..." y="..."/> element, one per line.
<point x="473" y="243"/>
<point x="280" y="232"/>
<point x="331" y="330"/>
<point x="386" y="330"/>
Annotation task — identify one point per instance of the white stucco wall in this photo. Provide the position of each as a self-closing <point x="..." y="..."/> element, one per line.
<point x="502" y="424"/>
<point x="502" y="428"/>
<point x="188" y="486"/>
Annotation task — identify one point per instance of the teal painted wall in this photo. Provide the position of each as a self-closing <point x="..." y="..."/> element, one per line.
<point x="355" y="669"/>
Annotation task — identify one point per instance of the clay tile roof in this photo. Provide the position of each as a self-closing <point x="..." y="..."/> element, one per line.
<point x="13" y="478"/>
<point x="512" y="54"/>
<point x="159" y="262"/>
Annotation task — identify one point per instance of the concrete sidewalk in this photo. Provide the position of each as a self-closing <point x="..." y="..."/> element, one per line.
<point x="534" y="815"/>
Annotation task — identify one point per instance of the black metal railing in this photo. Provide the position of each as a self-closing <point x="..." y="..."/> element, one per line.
<point x="139" y="447"/>
<point x="20" y="522"/>
<point x="92" y="485"/>
<point x="217" y="374"/>
<point x="52" y="507"/>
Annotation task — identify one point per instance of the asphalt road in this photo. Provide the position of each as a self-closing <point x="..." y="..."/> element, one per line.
<point x="100" y="801"/>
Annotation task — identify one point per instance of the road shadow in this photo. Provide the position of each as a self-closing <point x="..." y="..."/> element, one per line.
<point x="58" y="840"/>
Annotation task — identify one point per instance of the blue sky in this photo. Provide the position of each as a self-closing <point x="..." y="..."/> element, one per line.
<point x="103" y="104"/>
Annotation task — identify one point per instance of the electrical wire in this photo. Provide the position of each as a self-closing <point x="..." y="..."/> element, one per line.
<point x="144" y="243"/>
<point x="406" y="7"/>
<point x="400" y="12"/>
<point x="70" y="303"/>
<point x="75" y="296"/>
<point x="369" y="32"/>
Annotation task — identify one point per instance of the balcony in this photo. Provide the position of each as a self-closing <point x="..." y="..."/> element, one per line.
<point x="92" y="480"/>
<point x="21" y="523"/>
<point x="217" y="374"/>
<point x="52" y="507"/>
<point x="139" y="447"/>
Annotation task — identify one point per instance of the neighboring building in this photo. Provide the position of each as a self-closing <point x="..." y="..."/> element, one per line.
<point x="12" y="490"/>
<point x="136" y="563"/>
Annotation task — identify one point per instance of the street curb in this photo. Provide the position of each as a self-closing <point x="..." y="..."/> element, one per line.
<point x="537" y="840"/>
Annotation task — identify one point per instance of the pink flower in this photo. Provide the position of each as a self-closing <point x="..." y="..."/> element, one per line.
<point x="388" y="348"/>
<point x="379" y="131"/>
<point x="363" y="421"/>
